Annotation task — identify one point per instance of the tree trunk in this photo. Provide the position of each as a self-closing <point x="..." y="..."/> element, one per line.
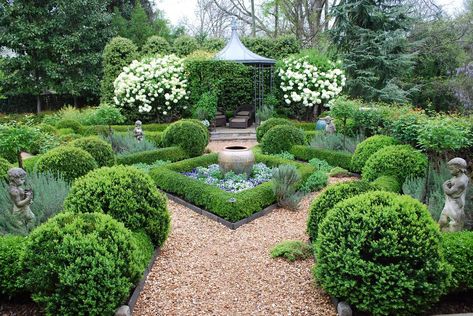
<point x="253" y="19"/>
<point x="20" y="160"/>
<point x="38" y="104"/>
<point x="75" y="100"/>
<point x="276" y="19"/>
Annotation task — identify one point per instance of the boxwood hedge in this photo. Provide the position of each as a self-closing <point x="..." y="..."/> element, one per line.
<point x="334" y="158"/>
<point x="148" y="157"/>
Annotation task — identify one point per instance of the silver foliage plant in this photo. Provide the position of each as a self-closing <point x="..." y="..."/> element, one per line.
<point x="284" y="181"/>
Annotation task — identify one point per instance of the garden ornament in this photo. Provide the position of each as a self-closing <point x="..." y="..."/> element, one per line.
<point x="330" y="127"/>
<point x="452" y="217"/>
<point x="138" y="131"/>
<point x="21" y="198"/>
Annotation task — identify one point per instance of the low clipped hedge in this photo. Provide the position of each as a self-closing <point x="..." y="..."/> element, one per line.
<point x="334" y="158"/>
<point x="12" y="273"/>
<point x="68" y="162"/>
<point x="148" y="157"/>
<point x="72" y="124"/>
<point x="399" y="161"/>
<point x="82" y="264"/>
<point x="125" y="193"/>
<point x="381" y="252"/>
<point x="155" y="137"/>
<point x="98" y="148"/>
<point x="387" y="183"/>
<point x="188" y="135"/>
<point x="367" y="148"/>
<point x="269" y="124"/>
<point x="458" y="251"/>
<point x="281" y="138"/>
<point x="230" y="206"/>
<point x="5" y="165"/>
<point x="327" y="200"/>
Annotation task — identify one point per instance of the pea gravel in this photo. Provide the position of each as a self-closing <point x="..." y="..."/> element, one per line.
<point x="207" y="269"/>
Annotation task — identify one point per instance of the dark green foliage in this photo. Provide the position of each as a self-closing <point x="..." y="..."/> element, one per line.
<point x="387" y="183"/>
<point x="206" y="107"/>
<point x="230" y="206"/>
<point x="368" y="147"/>
<point x="149" y="157"/>
<point x="268" y="124"/>
<point x="125" y="193"/>
<point x="98" y="148"/>
<point x="233" y="82"/>
<point x="67" y="162"/>
<point x="278" y="48"/>
<point x="334" y="158"/>
<point x="81" y="264"/>
<point x="11" y="270"/>
<point x="399" y="161"/>
<point x="315" y="182"/>
<point x="145" y="248"/>
<point x="184" y="45"/>
<point x="213" y="44"/>
<point x="118" y="53"/>
<point x="188" y="135"/>
<point x="292" y="250"/>
<point x="74" y="125"/>
<point x="381" y="253"/>
<point x="281" y="138"/>
<point x="155" y="45"/>
<point x="327" y="200"/>
<point x="4" y="167"/>
<point x="139" y="28"/>
<point x="458" y="250"/>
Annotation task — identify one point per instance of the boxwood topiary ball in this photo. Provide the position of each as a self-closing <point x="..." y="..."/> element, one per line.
<point x="399" y="161"/>
<point x="458" y="251"/>
<point x="98" y="148"/>
<point x="268" y="124"/>
<point x="81" y="264"/>
<point x="187" y="135"/>
<point x="68" y="162"/>
<point x="368" y="147"/>
<point x="281" y="138"/>
<point x="11" y="270"/>
<point x="72" y="124"/>
<point x="127" y="194"/>
<point x="381" y="252"/>
<point x="328" y="198"/>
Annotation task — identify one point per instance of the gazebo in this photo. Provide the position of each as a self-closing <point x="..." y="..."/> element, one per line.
<point x="263" y="68"/>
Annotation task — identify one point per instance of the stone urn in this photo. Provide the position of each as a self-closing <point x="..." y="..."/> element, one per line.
<point x="239" y="159"/>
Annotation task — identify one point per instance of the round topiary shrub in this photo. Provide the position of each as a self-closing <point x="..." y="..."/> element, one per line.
<point x="328" y="198"/>
<point x="127" y="194"/>
<point x="156" y="45"/>
<point x="69" y="162"/>
<point x="187" y="135"/>
<point x="399" y="161"/>
<point x="98" y="148"/>
<point x="81" y="264"/>
<point x="11" y="269"/>
<point x="387" y="183"/>
<point x="4" y="167"/>
<point x="381" y="252"/>
<point x="281" y="138"/>
<point x="458" y="251"/>
<point x="74" y="125"/>
<point x="368" y="147"/>
<point x="268" y="124"/>
<point x="202" y="126"/>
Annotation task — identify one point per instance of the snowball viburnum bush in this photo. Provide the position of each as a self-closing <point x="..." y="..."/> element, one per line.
<point x="153" y="84"/>
<point x="305" y="84"/>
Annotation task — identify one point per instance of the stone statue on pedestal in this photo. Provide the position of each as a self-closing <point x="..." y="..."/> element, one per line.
<point x="21" y="198"/>
<point x="138" y="131"/>
<point x="452" y="217"/>
<point x="329" y="127"/>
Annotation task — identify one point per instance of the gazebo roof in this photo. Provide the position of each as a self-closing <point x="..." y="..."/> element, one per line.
<point x="236" y="51"/>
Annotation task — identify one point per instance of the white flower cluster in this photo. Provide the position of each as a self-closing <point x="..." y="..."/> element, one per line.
<point x="153" y="83"/>
<point x="306" y="84"/>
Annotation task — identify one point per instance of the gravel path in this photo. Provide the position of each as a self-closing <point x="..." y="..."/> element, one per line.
<point x="207" y="269"/>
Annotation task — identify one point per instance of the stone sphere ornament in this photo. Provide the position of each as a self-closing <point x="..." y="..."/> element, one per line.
<point x="21" y="197"/>
<point x="452" y="218"/>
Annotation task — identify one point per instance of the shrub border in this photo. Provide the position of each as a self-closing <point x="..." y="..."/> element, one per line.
<point x="334" y="158"/>
<point x="214" y="200"/>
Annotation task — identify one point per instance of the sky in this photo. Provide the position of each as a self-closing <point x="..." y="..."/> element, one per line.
<point x="177" y="10"/>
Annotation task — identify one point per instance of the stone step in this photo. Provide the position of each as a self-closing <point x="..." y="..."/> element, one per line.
<point x="232" y="137"/>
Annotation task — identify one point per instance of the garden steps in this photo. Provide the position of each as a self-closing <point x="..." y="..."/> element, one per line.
<point x="224" y="133"/>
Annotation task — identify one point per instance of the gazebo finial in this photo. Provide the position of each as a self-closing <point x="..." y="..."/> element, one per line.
<point x="234" y="24"/>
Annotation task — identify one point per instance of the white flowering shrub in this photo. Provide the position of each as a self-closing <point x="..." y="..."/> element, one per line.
<point x="153" y="85"/>
<point x="304" y="83"/>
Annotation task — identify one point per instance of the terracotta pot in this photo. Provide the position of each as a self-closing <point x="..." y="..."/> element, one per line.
<point x="239" y="159"/>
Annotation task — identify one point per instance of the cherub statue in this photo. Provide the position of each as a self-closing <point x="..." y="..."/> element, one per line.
<point x="329" y="127"/>
<point x="21" y="198"/>
<point x="138" y="131"/>
<point x="452" y="217"/>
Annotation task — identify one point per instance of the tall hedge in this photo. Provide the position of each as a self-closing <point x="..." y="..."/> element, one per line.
<point x="118" y="53"/>
<point x="381" y="252"/>
<point x="156" y="45"/>
<point x="233" y="82"/>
